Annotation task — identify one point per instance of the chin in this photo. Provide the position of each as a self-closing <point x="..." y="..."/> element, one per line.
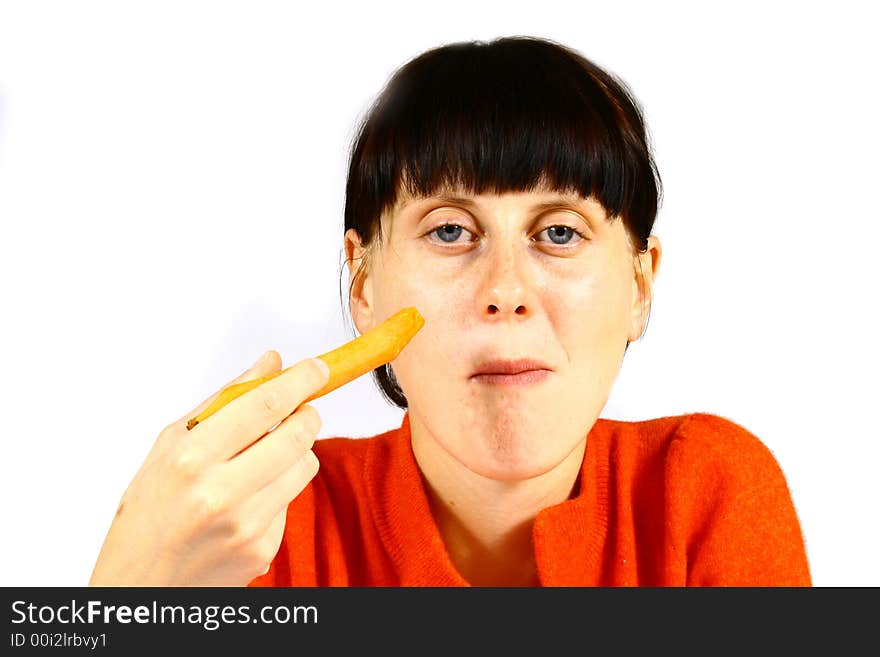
<point x="511" y="442"/>
<point x="504" y="461"/>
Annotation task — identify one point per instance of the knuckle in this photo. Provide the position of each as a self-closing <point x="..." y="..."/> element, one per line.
<point x="311" y="418"/>
<point x="243" y="532"/>
<point x="187" y="464"/>
<point x="311" y="465"/>
<point x="303" y="438"/>
<point x="208" y="503"/>
<point x="272" y="401"/>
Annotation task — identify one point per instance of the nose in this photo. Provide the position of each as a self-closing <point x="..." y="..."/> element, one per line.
<point x="506" y="290"/>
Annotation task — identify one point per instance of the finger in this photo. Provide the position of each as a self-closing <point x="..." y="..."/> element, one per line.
<point x="275" y="532"/>
<point x="273" y="536"/>
<point x="275" y="497"/>
<point x="248" y="417"/>
<point x="270" y="456"/>
<point x="268" y="363"/>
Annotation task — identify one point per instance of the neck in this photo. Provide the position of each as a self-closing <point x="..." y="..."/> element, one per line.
<point x="487" y="524"/>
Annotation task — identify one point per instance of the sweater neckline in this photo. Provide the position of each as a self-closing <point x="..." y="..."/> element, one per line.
<point x="568" y="537"/>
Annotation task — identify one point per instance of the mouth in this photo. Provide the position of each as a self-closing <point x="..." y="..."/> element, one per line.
<point x="511" y="372"/>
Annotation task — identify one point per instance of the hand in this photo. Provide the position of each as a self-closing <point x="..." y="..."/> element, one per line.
<point x="208" y="506"/>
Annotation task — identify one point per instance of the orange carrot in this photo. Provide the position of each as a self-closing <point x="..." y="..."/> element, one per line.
<point x="378" y="346"/>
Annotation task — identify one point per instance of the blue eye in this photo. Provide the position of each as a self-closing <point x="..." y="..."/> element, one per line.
<point x="450" y="231"/>
<point x="561" y="234"/>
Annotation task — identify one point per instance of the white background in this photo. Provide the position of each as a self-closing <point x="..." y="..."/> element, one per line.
<point x="171" y="192"/>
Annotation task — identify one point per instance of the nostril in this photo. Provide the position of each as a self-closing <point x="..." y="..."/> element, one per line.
<point x="520" y="310"/>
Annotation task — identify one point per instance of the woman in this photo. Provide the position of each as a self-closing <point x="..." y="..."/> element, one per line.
<point x="507" y="191"/>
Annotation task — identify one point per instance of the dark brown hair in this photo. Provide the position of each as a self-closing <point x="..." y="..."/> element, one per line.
<point x="507" y="115"/>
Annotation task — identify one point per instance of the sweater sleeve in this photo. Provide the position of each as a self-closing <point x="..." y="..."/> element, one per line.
<point x="743" y="526"/>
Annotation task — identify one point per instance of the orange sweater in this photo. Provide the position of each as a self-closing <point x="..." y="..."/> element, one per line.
<point x="691" y="500"/>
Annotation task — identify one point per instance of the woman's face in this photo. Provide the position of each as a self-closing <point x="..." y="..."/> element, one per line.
<point x="531" y="275"/>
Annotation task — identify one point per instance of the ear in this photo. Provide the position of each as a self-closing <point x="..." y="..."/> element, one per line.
<point x="360" y="302"/>
<point x="644" y="275"/>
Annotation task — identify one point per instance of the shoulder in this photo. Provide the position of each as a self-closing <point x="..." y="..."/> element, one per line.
<point x="727" y="449"/>
<point x="702" y="446"/>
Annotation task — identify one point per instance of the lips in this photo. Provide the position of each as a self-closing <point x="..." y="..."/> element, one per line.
<point x="502" y="366"/>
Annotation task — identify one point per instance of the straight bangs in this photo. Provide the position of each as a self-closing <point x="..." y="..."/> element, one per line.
<point x="515" y="115"/>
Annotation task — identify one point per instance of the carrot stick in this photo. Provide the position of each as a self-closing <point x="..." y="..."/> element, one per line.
<point x="380" y="345"/>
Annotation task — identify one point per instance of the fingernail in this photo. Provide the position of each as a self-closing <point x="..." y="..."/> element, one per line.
<point x="323" y="367"/>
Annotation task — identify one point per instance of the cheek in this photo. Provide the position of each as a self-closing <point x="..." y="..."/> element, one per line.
<point x="593" y="330"/>
<point x="441" y="303"/>
<point x="403" y="284"/>
<point x="588" y="309"/>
